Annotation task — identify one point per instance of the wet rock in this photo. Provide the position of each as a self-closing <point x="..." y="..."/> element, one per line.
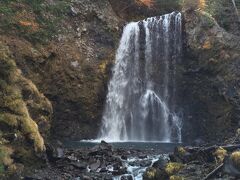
<point x="160" y="163"/>
<point x="145" y="163"/>
<point x="120" y="171"/>
<point x="198" y="142"/>
<point x="142" y="156"/>
<point x="103" y="170"/>
<point x="124" y="157"/>
<point x="95" y="165"/>
<point x="86" y="178"/>
<point x="142" y="163"/>
<point x="127" y="177"/>
<point x="79" y="165"/>
<point x="180" y="155"/>
<point x="71" y="157"/>
<point x="100" y="149"/>
<point x="54" y="153"/>
<point x="117" y="166"/>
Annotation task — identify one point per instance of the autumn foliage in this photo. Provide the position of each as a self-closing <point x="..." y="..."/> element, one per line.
<point x="148" y="3"/>
<point x="194" y="4"/>
<point x="202" y="4"/>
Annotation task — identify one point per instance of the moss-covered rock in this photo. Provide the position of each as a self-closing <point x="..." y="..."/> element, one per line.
<point x="220" y="154"/>
<point x="155" y="174"/>
<point x="173" y="168"/>
<point x="170" y="169"/>
<point x="235" y="158"/>
<point x="5" y="160"/>
<point x="176" y="178"/>
<point x="17" y="127"/>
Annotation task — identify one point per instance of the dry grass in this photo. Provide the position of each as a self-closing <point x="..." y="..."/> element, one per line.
<point x="12" y="100"/>
<point x="235" y="157"/>
<point x="220" y="154"/>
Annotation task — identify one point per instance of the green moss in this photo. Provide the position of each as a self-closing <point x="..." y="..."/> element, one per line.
<point x="9" y="119"/>
<point x="6" y="10"/>
<point x="176" y="178"/>
<point x="208" y="20"/>
<point x="154" y="174"/>
<point x="1" y="168"/>
<point x="222" y="11"/>
<point x="2" y="154"/>
<point x="14" y="111"/>
<point x="181" y="151"/>
<point x="7" y="67"/>
<point x="3" y="84"/>
<point x="173" y="168"/>
<point x="151" y="173"/>
<point x="5" y="159"/>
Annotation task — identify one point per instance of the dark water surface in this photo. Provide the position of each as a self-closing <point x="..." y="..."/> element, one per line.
<point x="158" y="146"/>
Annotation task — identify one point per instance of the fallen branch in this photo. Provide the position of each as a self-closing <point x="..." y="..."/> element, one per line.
<point x="230" y="147"/>
<point x="214" y="172"/>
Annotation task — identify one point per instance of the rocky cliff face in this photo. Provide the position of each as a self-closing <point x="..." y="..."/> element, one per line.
<point x="210" y="85"/>
<point x="70" y="67"/>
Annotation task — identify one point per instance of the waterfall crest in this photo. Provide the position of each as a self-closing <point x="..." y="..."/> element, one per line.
<point x="141" y="99"/>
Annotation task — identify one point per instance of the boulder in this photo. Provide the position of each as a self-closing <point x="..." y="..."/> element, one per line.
<point x="100" y="149"/>
<point x="95" y="166"/>
<point x="54" y="153"/>
<point x="160" y="163"/>
<point x="127" y="177"/>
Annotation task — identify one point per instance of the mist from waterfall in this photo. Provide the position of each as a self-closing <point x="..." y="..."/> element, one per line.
<point x="141" y="100"/>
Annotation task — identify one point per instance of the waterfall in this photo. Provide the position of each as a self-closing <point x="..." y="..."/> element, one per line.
<point x="236" y="9"/>
<point x="141" y="99"/>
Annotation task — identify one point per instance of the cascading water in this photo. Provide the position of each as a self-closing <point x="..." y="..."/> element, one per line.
<point x="141" y="100"/>
<point x="236" y="9"/>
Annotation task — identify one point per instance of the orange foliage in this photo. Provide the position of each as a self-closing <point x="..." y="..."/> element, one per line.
<point x="27" y="19"/>
<point x="148" y="3"/>
<point x="207" y="45"/>
<point x="32" y="25"/>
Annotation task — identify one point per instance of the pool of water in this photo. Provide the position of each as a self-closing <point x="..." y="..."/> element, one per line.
<point x="162" y="147"/>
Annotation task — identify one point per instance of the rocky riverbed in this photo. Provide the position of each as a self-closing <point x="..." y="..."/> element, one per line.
<point x="99" y="162"/>
<point x="102" y="161"/>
